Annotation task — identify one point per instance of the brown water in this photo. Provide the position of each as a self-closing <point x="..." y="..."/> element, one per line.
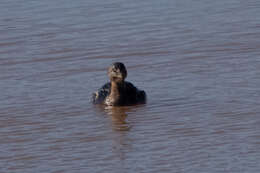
<point x="198" y="61"/>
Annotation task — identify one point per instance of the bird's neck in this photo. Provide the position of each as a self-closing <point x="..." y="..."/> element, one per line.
<point x="115" y="94"/>
<point x="115" y="87"/>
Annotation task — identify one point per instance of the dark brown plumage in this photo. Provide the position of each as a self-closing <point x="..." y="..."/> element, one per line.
<point x="118" y="92"/>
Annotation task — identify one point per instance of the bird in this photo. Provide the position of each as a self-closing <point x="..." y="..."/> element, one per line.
<point x="118" y="92"/>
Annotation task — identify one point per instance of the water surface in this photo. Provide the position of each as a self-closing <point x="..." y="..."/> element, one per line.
<point x="198" y="62"/>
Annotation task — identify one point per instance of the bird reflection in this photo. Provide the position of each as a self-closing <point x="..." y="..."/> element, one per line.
<point x="118" y="116"/>
<point x="122" y="141"/>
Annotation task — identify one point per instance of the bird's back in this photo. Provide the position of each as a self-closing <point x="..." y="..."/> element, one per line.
<point x="129" y="94"/>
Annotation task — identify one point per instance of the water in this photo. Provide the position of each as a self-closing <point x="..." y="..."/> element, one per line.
<point x="198" y="62"/>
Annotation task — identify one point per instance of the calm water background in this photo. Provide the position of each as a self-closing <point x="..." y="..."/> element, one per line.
<point x="198" y="61"/>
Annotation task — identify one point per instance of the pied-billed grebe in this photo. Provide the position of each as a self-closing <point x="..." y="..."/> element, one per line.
<point x="118" y="92"/>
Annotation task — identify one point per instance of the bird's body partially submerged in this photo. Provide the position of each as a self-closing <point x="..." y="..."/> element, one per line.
<point x="118" y="92"/>
<point x="127" y="94"/>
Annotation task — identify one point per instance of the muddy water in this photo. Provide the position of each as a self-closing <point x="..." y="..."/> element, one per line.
<point x="198" y="61"/>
